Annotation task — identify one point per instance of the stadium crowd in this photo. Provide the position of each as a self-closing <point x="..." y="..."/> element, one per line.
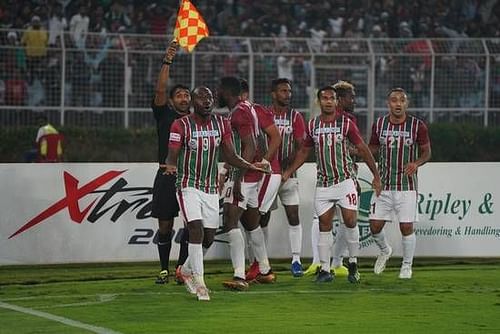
<point x="286" y="18"/>
<point x="32" y="62"/>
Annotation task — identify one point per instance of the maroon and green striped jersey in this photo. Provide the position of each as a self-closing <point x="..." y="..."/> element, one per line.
<point x="244" y="122"/>
<point x="292" y="130"/>
<point x="330" y="139"/>
<point x="199" y="142"/>
<point x="397" y="146"/>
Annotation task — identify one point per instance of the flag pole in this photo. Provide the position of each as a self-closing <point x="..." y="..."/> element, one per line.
<point x="174" y="39"/>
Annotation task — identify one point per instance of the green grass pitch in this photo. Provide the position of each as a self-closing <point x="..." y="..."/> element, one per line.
<point x="444" y="296"/>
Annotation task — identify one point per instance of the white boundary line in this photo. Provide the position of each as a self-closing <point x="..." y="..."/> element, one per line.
<point x="65" y="321"/>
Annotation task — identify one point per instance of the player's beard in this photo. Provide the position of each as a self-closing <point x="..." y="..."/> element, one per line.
<point x="284" y="103"/>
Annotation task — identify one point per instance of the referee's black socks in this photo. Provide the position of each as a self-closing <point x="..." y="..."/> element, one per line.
<point x="164" y="246"/>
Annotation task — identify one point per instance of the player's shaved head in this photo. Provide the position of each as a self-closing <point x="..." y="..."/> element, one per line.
<point x="200" y="89"/>
<point x="203" y="101"/>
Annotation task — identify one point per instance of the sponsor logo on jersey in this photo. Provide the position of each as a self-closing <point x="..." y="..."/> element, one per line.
<point x="205" y="133"/>
<point x="175" y="137"/>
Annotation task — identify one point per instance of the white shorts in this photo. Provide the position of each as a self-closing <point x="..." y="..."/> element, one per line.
<point x="343" y="194"/>
<point x="249" y="192"/>
<point x="289" y="192"/>
<point x="401" y="204"/>
<point x="198" y="205"/>
<point x="268" y="189"/>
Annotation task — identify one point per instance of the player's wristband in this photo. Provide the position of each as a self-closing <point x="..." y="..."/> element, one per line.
<point x="167" y="61"/>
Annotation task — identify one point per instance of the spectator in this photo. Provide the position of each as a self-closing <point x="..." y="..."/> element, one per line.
<point x="97" y="23"/>
<point x="35" y="39"/>
<point x="24" y="15"/>
<point x="53" y="79"/>
<point x="417" y="77"/>
<point x="16" y="89"/>
<point x="157" y="19"/>
<point x="469" y="75"/>
<point x="140" y="23"/>
<point x="57" y="24"/>
<point x="93" y="60"/>
<point x="36" y="90"/>
<point x="113" y="79"/>
<point x="79" y="27"/>
<point x="79" y="74"/>
<point x="317" y="36"/>
<point x="285" y="66"/>
<point x="480" y="18"/>
<point x="48" y="142"/>
<point x="16" y="57"/>
<point x="404" y="30"/>
<point x="116" y="17"/>
<point x="337" y="21"/>
<point x="377" y="32"/>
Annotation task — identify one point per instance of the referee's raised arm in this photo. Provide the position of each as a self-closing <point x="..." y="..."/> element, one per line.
<point x="161" y="85"/>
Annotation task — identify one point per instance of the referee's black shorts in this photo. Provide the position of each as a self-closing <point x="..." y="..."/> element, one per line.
<point x="165" y="206"/>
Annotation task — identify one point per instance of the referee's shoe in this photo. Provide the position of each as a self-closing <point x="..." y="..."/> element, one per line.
<point x="162" y="277"/>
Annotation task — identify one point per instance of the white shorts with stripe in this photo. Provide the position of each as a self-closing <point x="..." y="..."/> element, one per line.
<point x="343" y="194"/>
<point x="268" y="189"/>
<point x="249" y="190"/>
<point x="399" y="204"/>
<point x="288" y="193"/>
<point x="198" y="205"/>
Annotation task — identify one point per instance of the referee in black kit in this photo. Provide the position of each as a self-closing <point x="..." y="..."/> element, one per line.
<point x="166" y="109"/>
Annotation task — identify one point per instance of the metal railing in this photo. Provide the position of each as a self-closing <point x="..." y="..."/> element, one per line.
<point x="108" y="80"/>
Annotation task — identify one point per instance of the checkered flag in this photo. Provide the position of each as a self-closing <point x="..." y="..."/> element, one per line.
<point x="190" y="26"/>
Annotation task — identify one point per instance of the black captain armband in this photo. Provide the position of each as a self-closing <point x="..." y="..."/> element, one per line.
<point x="167" y="61"/>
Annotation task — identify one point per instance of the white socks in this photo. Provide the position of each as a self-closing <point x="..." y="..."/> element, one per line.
<point x="409" y="242"/>
<point x="315" y="239"/>
<point x="324" y="249"/>
<point x="259" y="249"/>
<point x="339" y="246"/>
<point x="195" y="259"/>
<point x="295" y="234"/>
<point x="237" y="250"/>
<point x="248" y="247"/>
<point x="379" y="239"/>
<point x="352" y="239"/>
<point x="265" y="230"/>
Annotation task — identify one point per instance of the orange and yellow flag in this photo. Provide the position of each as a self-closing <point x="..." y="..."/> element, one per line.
<point x="190" y="27"/>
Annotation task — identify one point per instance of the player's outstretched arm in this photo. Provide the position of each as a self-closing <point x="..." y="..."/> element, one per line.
<point x="237" y="161"/>
<point x="300" y="158"/>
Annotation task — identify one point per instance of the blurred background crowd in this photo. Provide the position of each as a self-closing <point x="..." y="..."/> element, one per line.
<point x="285" y="18"/>
<point x="96" y="71"/>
